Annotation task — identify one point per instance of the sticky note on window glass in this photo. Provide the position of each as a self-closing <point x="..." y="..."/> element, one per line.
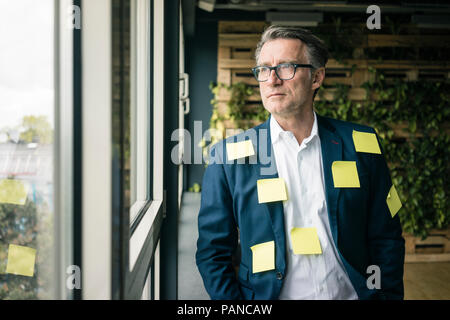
<point x="345" y="174"/>
<point x="13" y="191"/>
<point x="366" y="142"/>
<point x="305" y="241"/>
<point x="240" y="150"/>
<point x="393" y="201"/>
<point x="21" y="260"/>
<point x="263" y="256"/>
<point x="270" y="190"/>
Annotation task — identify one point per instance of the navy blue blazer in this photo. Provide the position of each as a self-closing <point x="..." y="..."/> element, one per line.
<point x="362" y="227"/>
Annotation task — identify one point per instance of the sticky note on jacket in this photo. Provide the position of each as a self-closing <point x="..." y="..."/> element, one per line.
<point x="263" y="256"/>
<point x="21" y="260"/>
<point x="345" y="174"/>
<point x="270" y="190"/>
<point x="393" y="201"/>
<point x="240" y="149"/>
<point x="365" y="142"/>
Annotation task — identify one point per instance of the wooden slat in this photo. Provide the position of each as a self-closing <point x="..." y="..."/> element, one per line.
<point x="355" y="94"/>
<point x="236" y="63"/>
<point x="435" y="257"/>
<point x="222" y="107"/>
<point x="433" y="240"/>
<point x="224" y="75"/>
<point x="246" y="40"/>
<point x="389" y="64"/>
<point x="390" y="40"/>
<point x="340" y="80"/>
<point x="250" y="80"/>
<point x="224" y="95"/>
<point x="242" y="54"/>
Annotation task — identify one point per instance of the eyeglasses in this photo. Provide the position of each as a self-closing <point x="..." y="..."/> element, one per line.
<point x="284" y="71"/>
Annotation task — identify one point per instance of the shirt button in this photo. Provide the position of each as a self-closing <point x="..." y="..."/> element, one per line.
<point x="279" y="276"/>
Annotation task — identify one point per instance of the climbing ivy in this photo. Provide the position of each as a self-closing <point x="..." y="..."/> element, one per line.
<point x="418" y="154"/>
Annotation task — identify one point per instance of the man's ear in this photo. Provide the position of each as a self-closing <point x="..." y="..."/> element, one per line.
<point x="318" y="77"/>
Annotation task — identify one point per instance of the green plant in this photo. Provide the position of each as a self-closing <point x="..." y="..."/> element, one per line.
<point x="195" y="188"/>
<point x="241" y="114"/>
<point x="412" y="121"/>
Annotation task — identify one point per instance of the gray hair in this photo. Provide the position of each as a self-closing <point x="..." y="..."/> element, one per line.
<point x="316" y="51"/>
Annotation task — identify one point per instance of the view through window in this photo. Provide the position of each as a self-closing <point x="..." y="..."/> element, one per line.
<point x="26" y="149"/>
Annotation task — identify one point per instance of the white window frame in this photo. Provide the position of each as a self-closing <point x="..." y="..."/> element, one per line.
<point x="63" y="193"/>
<point x="140" y="234"/>
<point x="97" y="149"/>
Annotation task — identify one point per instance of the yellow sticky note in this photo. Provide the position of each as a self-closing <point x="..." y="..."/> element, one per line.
<point x="366" y="142"/>
<point x="270" y="190"/>
<point x="263" y="256"/>
<point x="13" y="191"/>
<point x="240" y="150"/>
<point x="345" y="174"/>
<point x="305" y="241"/>
<point x="393" y="201"/>
<point x="21" y="260"/>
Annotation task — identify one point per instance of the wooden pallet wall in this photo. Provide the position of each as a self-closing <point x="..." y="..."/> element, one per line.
<point x="236" y="48"/>
<point x="435" y="248"/>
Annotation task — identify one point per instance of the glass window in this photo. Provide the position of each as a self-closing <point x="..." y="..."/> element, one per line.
<point x="27" y="149"/>
<point x="139" y="130"/>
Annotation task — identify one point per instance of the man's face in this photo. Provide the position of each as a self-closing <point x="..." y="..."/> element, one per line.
<point x="286" y="97"/>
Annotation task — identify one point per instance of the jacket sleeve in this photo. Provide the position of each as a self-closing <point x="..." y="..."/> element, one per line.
<point x="218" y="236"/>
<point x="385" y="241"/>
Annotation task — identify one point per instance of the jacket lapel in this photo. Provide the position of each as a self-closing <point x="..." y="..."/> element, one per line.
<point x="331" y="145"/>
<point x="266" y="169"/>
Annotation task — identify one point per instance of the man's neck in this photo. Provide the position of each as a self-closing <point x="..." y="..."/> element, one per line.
<point x="300" y="124"/>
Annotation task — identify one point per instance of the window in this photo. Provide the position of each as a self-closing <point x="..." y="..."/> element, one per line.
<point x="137" y="134"/>
<point x="28" y="147"/>
<point x="140" y="104"/>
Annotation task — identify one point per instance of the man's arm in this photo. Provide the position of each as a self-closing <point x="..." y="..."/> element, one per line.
<point x="218" y="237"/>
<point x="386" y="244"/>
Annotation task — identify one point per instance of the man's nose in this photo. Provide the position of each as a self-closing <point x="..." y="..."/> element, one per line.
<point x="273" y="78"/>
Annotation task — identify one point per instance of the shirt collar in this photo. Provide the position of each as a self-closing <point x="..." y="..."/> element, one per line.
<point x="276" y="131"/>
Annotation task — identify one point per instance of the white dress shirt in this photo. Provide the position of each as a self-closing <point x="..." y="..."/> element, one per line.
<point x="316" y="276"/>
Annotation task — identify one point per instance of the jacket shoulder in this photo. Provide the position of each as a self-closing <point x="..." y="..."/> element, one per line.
<point x="344" y="128"/>
<point x="219" y="148"/>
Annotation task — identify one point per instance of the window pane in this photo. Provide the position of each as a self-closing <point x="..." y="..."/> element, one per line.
<point x="139" y="104"/>
<point x="26" y="149"/>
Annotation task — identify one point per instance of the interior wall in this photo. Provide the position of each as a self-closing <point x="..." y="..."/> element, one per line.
<point x="201" y="65"/>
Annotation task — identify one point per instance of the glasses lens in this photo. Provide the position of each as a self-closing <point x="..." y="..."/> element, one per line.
<point x="262" y="73"/>
<point x="285" y="71"/>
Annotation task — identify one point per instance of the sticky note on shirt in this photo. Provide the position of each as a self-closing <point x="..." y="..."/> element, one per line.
<point x="21" y="260"/>
<point x="263" y="256"/>
<point x="345" y="174"/>
<point x="393" y="201"/>
<point x="240" y="150"/>
<point x="366" y="142"/>
<point x="305" y="241"/>
<point x="13" y="191"/>
<point x="270" y="190"/>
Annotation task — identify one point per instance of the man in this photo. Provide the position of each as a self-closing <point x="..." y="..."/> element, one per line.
<point x="312" y="228"/>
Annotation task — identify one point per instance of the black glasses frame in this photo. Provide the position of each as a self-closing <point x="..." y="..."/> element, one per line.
<point x="295" y="65"/>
